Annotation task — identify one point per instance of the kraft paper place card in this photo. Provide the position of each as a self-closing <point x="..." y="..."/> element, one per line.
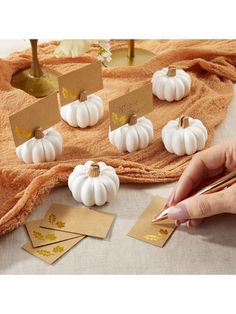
<point x="84" y="221"/>
<point x="41" y="236"/>
<point x="88" y="79"/>
<point x="156" y="234"/>
<point x="43" y="114"/>
<point x="51" y="253"/>
<point x="137" y="102"/>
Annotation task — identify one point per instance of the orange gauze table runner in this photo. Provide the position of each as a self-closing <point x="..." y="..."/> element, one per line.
<point x="211" y="64"/>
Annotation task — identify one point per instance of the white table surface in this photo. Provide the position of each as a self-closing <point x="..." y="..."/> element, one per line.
<point x="208" y="249"/>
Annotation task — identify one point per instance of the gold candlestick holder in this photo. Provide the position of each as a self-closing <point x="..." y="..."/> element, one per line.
<point x="131" y="56"/>
<point x="36" y="81"/>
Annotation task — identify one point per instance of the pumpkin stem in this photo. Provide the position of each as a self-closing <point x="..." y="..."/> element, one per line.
<point x="83" y="95"/>
<point x="183" y="122"/>
<point x="94" y="170"/>
<point x="171" y="71"/>
<point x="38" y="133"/>
<point x="133" y="119"/>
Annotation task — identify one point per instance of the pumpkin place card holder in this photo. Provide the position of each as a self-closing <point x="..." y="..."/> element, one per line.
<point x="94" y="174"/>
<point x="184" y="136"/>
<point x="163" y="81"/>
<point x="31" y="124"/>
<point x="76" y="95"/>
<point x="128" y="111"/>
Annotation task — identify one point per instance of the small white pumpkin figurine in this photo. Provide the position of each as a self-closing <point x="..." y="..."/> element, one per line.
<point x="44" y="146"/>
<point x="93" y="183"/>
<point x="84" y="112"/>
<point x="184" y="136"/>
<point x="171" y="84"/>
<point x="137" y="134"/>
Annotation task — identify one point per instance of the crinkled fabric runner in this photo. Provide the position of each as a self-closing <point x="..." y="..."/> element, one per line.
<point x="211" y="65"/>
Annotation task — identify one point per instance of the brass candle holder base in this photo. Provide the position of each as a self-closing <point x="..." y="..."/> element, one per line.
<point x="36" y="86"/>
<point x="120" y="57"/>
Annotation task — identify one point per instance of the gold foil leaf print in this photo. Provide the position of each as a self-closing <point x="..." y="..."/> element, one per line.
<point x="156" y="237"/>
<point x="44" y="252"/>
<point x="51" y="218"/>
<point x="58" y="249"/>
<point x="47" y="253"/>
<point x="116" y="119"/>
<point x="152" y="237"/>
<point x="123" y="120"/>
<point x="60" y="224"/>
<point x="163" y="231"/>
<point x="68" y="95"/>
<point x="27" y="133"/>
<point x="38" y="235"/>
<point x="50" y="236"/>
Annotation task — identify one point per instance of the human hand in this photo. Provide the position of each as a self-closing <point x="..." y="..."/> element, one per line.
<point x="205" y="164"/>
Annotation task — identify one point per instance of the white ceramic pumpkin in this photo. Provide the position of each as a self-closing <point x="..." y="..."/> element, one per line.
<point x="83" y="113"/>
<point x="93" y="183"/>
<point x="44" y="146"/>
<point x="137" y="134"/>
<point x="171" y="84"/>
<point x="184" y="136"/>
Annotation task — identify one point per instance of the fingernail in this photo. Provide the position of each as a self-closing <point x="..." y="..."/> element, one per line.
<point x="178" y="212"/>
<point x="170" y="198"/>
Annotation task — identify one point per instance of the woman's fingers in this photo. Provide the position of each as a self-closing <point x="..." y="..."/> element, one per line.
<point x="204" y="164"/>
<point x="201" y="206"/>
<point x="230" y="199"/>
<point x="207" y="163"/>
<point x="193" y="209"/>
<point x="169" y="199"/>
